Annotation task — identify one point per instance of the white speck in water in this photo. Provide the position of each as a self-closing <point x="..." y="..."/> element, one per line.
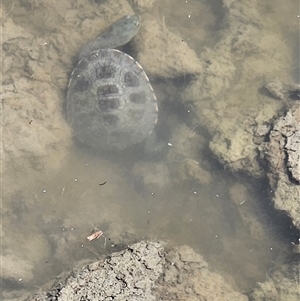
<point x="63" y="191"/>
<point x="63" y="229"/>
<point x="72" y="229"/>
<point x="170" y="144"/>
<point x="216" y="236"/>
<point x="20" y="279"/>
<point x="195" y="192"/>
<point x="44" y="191"/>
<point x="152" y="193"/>
<point x="75" y="180"/>
<point x="148" y="211"/>
<point x="189" y="16"/>
<point x="217" y="196"/>
<point x="189" y="111"/>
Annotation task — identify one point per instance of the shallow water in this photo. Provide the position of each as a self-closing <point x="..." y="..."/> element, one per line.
<point x="46" y="220"/>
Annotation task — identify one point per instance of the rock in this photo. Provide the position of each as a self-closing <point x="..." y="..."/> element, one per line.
<point x="187" y="254"/>
<point x="282" y="91"/>
<point x="275" y="87"/>
<point x="282" y="154"/>
<point x="282" y="284"/>
<point x="286" y="196"/>
<point x="225" y="97"/>
<point x="163" y="53"/>
<point x="292" y="145"/>
<point x="144" y="271"/>
<point x="127" y="275"/>
<point x="35" y="135"/>
<point x="187" y="277"/>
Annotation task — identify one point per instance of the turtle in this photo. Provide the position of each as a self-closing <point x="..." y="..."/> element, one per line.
<point x="111" y="104"/>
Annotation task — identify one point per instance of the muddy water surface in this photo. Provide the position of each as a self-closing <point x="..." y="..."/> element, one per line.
<point x="48" y="212"/>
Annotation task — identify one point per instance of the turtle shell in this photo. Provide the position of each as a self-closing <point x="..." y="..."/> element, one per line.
<point x="111" y="104"/>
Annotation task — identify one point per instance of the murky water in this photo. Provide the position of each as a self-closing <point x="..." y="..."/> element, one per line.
<point x="138" y="194"/>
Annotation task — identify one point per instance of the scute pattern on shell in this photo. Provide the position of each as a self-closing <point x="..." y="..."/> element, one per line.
<point x="110" y="102"/>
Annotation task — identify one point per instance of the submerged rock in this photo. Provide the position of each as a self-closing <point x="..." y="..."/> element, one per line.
<point x="280" y="90"/>
<point x="282" y="284"/>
